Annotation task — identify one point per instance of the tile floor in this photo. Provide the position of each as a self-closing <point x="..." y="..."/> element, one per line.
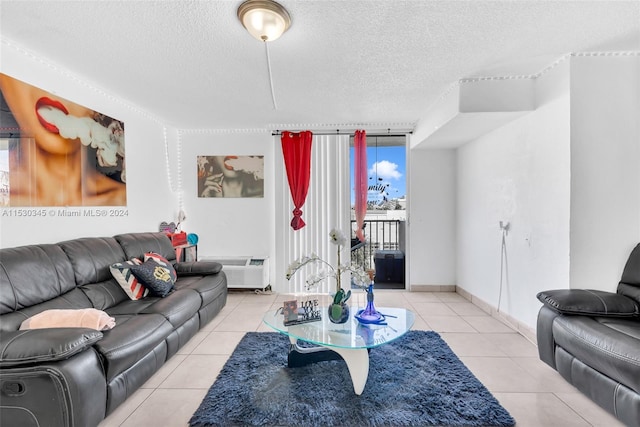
<point x="505" y="362"/>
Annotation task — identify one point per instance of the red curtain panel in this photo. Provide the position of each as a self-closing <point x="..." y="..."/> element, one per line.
<point x="296" y="149"/>
<point x="360" y="178"/>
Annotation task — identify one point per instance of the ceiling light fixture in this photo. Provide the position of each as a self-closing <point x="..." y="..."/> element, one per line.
<point x="265" y="20"/>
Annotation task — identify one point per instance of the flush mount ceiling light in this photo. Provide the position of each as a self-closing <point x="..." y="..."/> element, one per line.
<point x="265" y="20"/>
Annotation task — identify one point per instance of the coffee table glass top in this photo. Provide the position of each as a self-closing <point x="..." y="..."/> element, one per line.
<point x="351" y="334"/>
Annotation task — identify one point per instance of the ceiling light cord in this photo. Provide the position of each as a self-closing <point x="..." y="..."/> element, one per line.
<point x="273" y="95"/>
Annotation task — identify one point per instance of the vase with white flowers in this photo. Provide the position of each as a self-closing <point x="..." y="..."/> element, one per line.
<point x="338" y="310"/>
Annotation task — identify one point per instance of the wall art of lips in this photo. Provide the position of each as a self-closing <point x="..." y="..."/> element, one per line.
<point x="229" y="166"/>
<point x="49" y="103"/>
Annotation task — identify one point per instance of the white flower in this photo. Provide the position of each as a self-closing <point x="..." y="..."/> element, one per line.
<point x="337" y="238"/>
<point x="358" y="275"/>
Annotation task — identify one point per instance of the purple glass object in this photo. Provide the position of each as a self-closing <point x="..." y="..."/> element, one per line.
<point x="370" y="314"/>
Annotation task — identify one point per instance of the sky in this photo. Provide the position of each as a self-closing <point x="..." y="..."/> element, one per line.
<point x="386" y="165"/>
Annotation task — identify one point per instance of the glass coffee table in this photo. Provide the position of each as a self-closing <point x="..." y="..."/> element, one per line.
<point x="350" y="341"/>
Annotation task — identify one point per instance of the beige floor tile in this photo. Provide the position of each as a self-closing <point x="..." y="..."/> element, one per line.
<point x="539" y="410"/>
<point x="432" y="309"/>
<point x="420" y="324"/>
<point x="122" y="412"/>
<point x="450" y="297"/>
<point x="166" y="370"/>
<point x="487" y="324"/>
<point x="235" y="297"/>
<point x="466" y="309"/>
<point x="448" y="324"/>
<point x="213" y="324"/>
<point x="501" y="374"/>
<point x="254" y="307"/>
<point x="390" y="299"/>
<point x="594" y="414"/>
<point x="216" y="342"/>
<point x="471" y="344"/>
<point x="422" y="297"/>
<point x="265" y="328"/>
<point x="196" y="371"/>
<point x="514" y="345"/>
<point x="193" y="342"/>
<point x="548" y="378"/>
<point x="242" y="320"/>
<point x="166" y="408"/>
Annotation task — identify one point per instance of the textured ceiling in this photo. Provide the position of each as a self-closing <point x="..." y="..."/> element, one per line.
<point x="191" y="64"/>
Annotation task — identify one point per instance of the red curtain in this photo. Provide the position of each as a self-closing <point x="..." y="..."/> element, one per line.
<point x="360" y="178"/>
<point x="296" y="149"/>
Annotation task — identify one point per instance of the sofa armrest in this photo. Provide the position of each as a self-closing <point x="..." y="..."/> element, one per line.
<point x="44" y="345"/>
<point x="589" y="302"/>
<point x="544" y="335"/>
<point x="197" y="268"/>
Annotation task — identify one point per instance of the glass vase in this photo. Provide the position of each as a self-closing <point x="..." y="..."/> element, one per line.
<point x="370" y="311"/>
<point x="338" y="313"/>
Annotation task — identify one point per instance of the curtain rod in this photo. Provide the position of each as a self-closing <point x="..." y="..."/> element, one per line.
<point x="351" y="133"/>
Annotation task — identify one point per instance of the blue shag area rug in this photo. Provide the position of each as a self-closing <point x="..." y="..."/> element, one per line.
<point x="414" y="381"/>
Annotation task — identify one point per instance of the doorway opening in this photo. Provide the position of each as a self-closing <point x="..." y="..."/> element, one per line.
<point x="385" y="222"/>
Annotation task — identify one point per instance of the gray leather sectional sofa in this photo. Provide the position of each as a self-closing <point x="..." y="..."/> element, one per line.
<point x="74" y="376"/>
<point x="592" y="338"/>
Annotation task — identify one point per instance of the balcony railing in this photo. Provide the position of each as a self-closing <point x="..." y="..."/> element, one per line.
<point x="381" y="235"/>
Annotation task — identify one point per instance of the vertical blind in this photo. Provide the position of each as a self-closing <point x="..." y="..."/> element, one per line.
<point x="327" y="207"/>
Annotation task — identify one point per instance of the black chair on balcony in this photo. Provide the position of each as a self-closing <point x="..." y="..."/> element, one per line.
<point x="356" y="243"/>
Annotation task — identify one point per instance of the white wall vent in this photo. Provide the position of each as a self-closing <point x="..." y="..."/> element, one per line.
<point x="244" y="272"/>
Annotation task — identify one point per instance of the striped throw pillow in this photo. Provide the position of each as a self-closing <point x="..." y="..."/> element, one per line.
<point x="121" y="271"/>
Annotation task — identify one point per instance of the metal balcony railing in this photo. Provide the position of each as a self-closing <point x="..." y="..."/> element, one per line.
<point x="381" y="235"/>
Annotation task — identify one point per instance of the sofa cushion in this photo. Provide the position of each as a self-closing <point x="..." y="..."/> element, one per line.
<point x="30" y="275"/>
<point x="121" y="271"/>
<point x="608" y="345"/>
<point x="178" y="307"/>
<point x="91" y="258"/>
<point x="74" y="299"/>
<point x="104" y="294"/>
<point x="155" y="277"/>
<point x="135" y="245"/>
<point x="133" y="337"/>
<point x="209" y="287"/>
<point x="589" y="302"/>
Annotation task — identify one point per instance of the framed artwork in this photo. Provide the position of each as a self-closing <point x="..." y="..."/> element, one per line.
<point x="230" y="176"/>
<point x="54" y="152"/>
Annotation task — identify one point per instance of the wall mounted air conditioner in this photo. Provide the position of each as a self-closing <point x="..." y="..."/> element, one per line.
<point x="244" y="272"/>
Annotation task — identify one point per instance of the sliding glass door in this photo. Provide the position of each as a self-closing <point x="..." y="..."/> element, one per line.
<point x="385" y="221"/>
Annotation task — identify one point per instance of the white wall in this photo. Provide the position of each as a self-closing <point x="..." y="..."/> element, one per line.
<point x="228" y="226"/>
<point x="432" y="217"/>
<point x="566" y="177"/>
<point x="605" y="173"/>
<point x="519" y="173"/>
<point x="149" y="198"/>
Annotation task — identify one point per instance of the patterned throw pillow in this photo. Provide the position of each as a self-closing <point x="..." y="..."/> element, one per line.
<point x="154" y="276"/>
<point x="163" y="262"/>
<point x="121" y="271"/>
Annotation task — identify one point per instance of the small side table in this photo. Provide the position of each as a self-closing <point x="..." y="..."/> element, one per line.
<point x="186" y="253"/>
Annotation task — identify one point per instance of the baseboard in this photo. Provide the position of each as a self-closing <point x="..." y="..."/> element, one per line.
<point x="524" y="330"/>
<point x="433" y="288"/>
